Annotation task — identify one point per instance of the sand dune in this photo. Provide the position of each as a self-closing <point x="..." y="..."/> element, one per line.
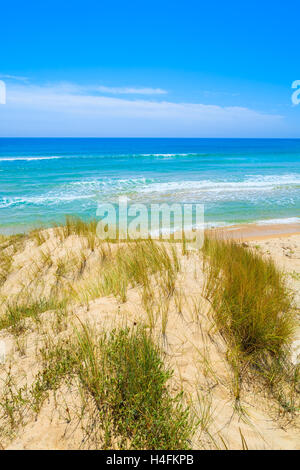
<point x="190" y="341"/>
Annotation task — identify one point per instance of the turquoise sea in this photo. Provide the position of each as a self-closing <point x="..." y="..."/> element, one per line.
<point x="237" y="180"/>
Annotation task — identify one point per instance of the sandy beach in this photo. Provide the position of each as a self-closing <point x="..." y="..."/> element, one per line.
<point x="247" y="232"/>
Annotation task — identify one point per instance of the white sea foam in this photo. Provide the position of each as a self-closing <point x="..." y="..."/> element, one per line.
<point x="54" y="157"/>
<point x="149" y="189"/>
<point x="288" y="220"/>
<point x="112" y="185"/>
<point x="26" y="159"/>
<point x="250" y="184"/>
<point x="206" y="225"/>
<point x="167" y="154"/>
<point x="152" y="185"/>
<point x="78" y="190"/>
<point x="46" y="200"/>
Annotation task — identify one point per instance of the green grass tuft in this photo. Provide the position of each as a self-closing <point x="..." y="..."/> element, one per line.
<point x="253" y="308"/>
<point x="126" y="377"/>
<point x="16" y="314"/>
<point x="124" y="391"/>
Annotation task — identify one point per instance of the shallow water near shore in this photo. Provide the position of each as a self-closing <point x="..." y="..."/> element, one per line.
<point x="239" y="181"/>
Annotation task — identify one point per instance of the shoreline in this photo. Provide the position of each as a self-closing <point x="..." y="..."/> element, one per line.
<point x="242" y="232"/>
<point x="251" y="232"/>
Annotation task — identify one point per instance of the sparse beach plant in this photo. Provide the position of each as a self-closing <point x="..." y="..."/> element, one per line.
<point x="124" y="373"/>
<point x="252" y="306"/>
<point x="123" y="384"/>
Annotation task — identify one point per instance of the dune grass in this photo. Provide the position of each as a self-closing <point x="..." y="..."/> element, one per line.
<point x="5" y="264"/>
<point x="3" y="239"/>
<point x="16" y="314"/>
<point x="123" y="383"/>
<point x="126" y="377"/>
<point x="132" y="265"/>
<point x="253" y="308"/>
<point x="95" y="269"/>
<point x="8" y="248"/>
<point x="39" y="235"/>
<point x="76" y="226"/>
<point x="121" y="376"/>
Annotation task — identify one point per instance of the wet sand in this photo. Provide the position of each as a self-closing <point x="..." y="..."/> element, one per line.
<point x="248" y="232"/>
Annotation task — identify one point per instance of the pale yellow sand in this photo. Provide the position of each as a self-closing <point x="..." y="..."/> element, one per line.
<point x="258" y="232"/>
<point x="193" y="347"/>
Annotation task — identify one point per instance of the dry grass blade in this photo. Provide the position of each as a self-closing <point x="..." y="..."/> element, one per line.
<point x="252" y="306"/>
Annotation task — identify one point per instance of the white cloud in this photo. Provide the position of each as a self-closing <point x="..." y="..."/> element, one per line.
<point x="13" y="77"/>
<point x="219" y="93"/>
<point x="130" y="90"/>
<point x="70" y="110"/>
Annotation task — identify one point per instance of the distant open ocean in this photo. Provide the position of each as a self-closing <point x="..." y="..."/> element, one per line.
<point x="238" y="180"/>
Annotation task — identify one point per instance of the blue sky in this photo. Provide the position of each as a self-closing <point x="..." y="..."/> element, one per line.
<point x="156" y="68"/>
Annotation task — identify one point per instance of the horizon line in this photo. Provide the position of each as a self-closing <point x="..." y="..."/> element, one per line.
<point x="95" y="137"/>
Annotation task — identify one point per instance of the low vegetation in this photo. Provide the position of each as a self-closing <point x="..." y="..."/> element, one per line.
<point x="123" y="383"/>
<point x="254" y="311"/>
<point x="117" y="377"/>
<point x="133" y="265"/>
<point x="16" y="314"/>
<point x="125" y="376"/>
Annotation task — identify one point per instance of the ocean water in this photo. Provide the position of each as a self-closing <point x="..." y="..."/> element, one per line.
<point x="237" y="180"/>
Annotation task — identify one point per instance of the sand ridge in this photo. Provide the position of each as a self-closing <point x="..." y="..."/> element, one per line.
<point x="191" y="344"/>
